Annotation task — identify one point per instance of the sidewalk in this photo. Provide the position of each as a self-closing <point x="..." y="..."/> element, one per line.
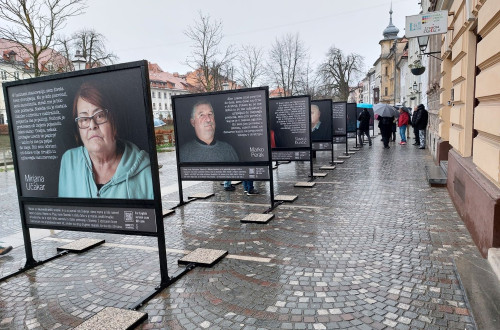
<point x="372" y="245"/>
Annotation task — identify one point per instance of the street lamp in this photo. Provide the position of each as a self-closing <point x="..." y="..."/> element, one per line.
<point x="79" y="61"/>
<point x="415" y="87"/>
<point x="422" y="42"/>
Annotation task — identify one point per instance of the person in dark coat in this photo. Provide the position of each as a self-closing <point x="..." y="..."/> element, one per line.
<point x="415" y="129"/>
<point x="364" y="127"/>
<point x="421" y="123"/>
<point x="385" y="125"/>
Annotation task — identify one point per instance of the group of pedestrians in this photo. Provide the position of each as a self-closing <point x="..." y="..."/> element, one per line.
<point x="419" y="120"/>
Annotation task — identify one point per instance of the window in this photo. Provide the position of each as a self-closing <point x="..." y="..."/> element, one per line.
<point x="3" y="74"/>
<point x="159" y="95"/>
<point x="386" y="70"/>
<point x="166" y="106"/>
<point x="154" y="105"/>
<point x="159" y="106"/>
<point x="164" y="95"/>
<point x="154" y="95"/>
<point x="385" y="91"/>
<point x="16" y="75"/>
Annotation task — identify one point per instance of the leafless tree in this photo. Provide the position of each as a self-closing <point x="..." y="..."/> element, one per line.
<point x="90" y="44"/>
<point x="208" y="59"/>
<point x="251" y="68"/>
<point x="32" y="24"/>
<point x="64" y="46"/>
<point x="286" y="60"/>
<point x="339" y="71"/>
<point x="309" y="82"/>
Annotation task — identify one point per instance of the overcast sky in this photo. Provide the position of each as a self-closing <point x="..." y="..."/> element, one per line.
<point x="153" y="30"/>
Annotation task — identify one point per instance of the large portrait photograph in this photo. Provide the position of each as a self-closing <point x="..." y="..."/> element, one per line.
<point x="351" y="118"/>
<point x="321" y="121"/>
<point x="339" y="115"/>
<point x="84" y="136"/>
<point x="228" y="127"/>
<point x="290" y="124"/>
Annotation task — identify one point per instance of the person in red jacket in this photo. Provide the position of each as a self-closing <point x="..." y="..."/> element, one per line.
<point x="403" y="121"/>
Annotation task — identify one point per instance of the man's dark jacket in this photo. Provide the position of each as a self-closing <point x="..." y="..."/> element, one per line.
<point x="421" y="120"/>
<point x="364" y="120"/>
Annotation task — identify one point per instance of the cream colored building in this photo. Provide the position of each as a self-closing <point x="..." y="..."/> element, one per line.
<point x="163" y="86"/>
<point x="467" y="112"/>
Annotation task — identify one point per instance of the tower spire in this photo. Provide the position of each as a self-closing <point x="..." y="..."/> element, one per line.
<point x="391" y="32"/>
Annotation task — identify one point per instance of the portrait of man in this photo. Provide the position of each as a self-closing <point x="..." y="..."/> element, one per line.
<point x="319" y="131"/>
<point x="204" y="147"/>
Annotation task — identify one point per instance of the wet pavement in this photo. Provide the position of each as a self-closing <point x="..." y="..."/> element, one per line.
<point x="371" y="246"/>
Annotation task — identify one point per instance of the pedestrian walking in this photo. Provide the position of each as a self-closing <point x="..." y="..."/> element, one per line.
<point x="385" y="126"/>
<point x="408" y="110"/>
<point x="421" y="124"/>
<point x="415" y="128"/>
<point x="403" y="121"/>
<point x="364" y="126"/>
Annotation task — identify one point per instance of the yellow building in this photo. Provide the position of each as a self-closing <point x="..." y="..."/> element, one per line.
<point x="469" y="114"/>
<point x="388" y="74"/>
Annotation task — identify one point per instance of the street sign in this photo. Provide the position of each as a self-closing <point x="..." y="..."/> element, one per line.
<point x="435" y="22"/>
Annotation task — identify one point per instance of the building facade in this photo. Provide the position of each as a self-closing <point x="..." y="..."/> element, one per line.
<point x="16" y="64"/>
<point x="467" y="115"/>
<point x="163" y="86"/>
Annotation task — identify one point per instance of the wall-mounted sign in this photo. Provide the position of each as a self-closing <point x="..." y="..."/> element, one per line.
<point x="435" y="22"/>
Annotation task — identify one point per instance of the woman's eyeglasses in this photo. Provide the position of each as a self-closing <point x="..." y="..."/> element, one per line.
<point x="100" y="117"/>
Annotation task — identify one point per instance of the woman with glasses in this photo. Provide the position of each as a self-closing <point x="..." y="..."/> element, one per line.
<point x="103" y="166"/>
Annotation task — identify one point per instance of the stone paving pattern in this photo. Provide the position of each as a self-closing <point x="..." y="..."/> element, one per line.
<point x="371" y="246"/>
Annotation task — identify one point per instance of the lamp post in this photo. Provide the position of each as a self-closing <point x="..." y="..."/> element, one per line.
<point x="422" y="43"/>
<point x="416" y="91"/>
<point x="79" y="61"/>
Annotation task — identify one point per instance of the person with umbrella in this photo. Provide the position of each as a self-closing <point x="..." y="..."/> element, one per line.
<point x="386" y="114"/>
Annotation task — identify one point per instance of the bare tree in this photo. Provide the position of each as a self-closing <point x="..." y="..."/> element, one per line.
<point x="338" y="71"/>
<point x="64" y="46"/>
<point x="208" y="59"/>
<point x="309" y="82"/>
<point x="251" y="59"/>
<point x="92" y="46"/>
<point x="285" y="62"/>
<point x="32" y="24"/>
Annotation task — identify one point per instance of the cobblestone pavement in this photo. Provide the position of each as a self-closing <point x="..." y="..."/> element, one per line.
<point x="371" y="246"/>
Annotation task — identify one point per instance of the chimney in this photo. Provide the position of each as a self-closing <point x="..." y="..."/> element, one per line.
<point x="176" y="74"/>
